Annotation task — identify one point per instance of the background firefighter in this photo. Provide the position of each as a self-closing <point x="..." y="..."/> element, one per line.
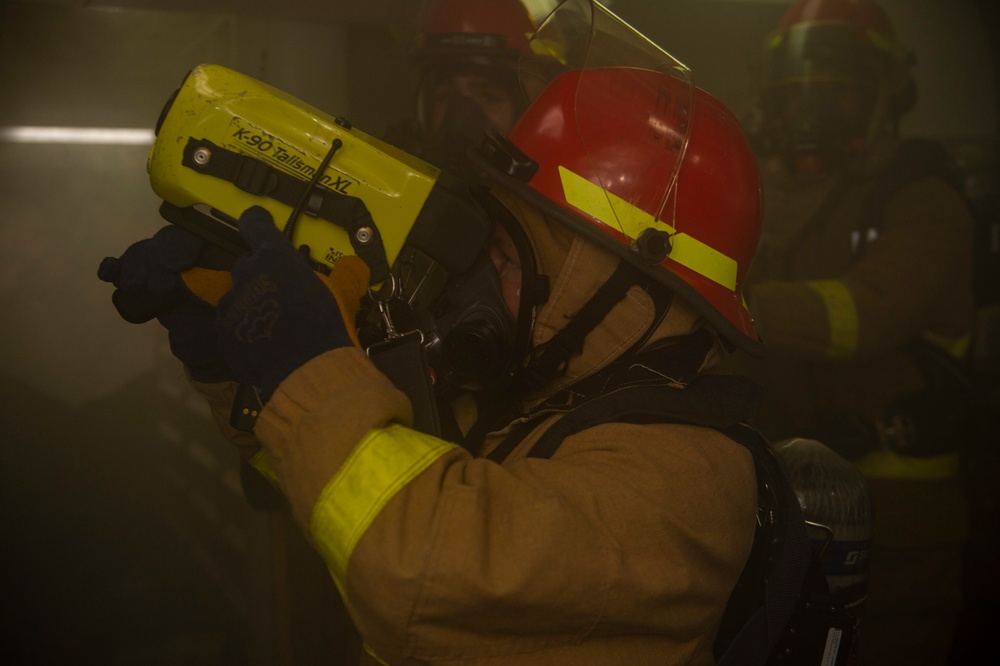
<point x="862" y="291"/>
<point x="464" y="65"/>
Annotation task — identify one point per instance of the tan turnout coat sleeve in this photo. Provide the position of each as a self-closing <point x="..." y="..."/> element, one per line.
<point x="622" y="548"/>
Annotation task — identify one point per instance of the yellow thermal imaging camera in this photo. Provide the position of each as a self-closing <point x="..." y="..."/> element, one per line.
<point x="226" y="142"/>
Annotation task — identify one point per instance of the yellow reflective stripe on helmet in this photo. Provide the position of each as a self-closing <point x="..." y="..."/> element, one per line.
<point x="842" y="315"/>
<point x="379" y="466"/>
<point x="891" y="465"/>
<point x="687" y="251"/>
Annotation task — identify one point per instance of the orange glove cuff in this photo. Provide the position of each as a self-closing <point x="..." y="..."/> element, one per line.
<point x="207" y="284"/>
<point x="348" y="282"/>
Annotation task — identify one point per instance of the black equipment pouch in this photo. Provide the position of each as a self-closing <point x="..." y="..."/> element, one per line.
<point x="820" y="630"/>
<point x="817" y="635"/>
<point x="404" y="361"/>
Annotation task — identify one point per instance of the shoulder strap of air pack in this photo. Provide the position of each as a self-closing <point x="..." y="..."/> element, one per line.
<point x="913" y="159"/>
<point x="714" y="401"/>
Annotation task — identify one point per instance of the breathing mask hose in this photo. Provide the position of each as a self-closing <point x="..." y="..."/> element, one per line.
<point x="837" y="505"/>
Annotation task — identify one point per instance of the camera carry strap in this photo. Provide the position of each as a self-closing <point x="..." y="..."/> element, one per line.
<point x="258" y="178"/>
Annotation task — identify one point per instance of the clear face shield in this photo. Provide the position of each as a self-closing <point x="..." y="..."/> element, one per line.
<point x="820" y="96"/>
<point x="635" y="178"/>
<point x="474" y="339"/>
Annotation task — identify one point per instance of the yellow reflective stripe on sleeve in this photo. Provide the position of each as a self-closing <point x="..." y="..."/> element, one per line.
<point x="842" y="315"/>
<point x="379" y="466"/>
<point x="886" y="43"/>
<point x="262" y="464"/>
<point x="371" y="653"/>
<point x="632" y="221"/>
<point x="891" y="465"/>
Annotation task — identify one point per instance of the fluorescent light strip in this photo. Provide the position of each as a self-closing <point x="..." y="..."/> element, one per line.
<point x="84" y="135"/>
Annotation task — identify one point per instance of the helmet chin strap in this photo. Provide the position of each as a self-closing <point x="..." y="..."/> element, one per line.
<point x="551" y="359"/>
<point x="533" y="292"/>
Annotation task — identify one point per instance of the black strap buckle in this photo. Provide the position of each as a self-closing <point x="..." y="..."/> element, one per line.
<point x="254" y="176"/>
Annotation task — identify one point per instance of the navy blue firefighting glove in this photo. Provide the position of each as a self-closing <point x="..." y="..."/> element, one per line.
<point x="147" y="275"/>
<point x="150" y="283"/>
<point x="281" y="313"/>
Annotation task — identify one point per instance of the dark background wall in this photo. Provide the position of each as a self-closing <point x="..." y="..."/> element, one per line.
<point x="126" y="538"/>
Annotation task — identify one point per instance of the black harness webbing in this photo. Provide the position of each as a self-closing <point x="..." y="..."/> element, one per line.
<point x="678" y="364"/>
<point x="913" y="160"/>
<point x="714" y="401"/>
<point x="550" y="359"/>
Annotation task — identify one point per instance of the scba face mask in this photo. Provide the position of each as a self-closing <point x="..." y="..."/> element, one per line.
<point x="473" y="334"/>
<point x="829" y="122"/>
<point x="473" y="340"/>
<point x="834" y="80"/>
<point x="458" y="104"/>
<point x="462" y="125"/>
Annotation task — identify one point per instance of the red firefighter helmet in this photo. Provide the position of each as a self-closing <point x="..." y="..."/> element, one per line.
<point x="835" y="77"/>
<point x="478" y="29"/>
<point x="635" y="157"/>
